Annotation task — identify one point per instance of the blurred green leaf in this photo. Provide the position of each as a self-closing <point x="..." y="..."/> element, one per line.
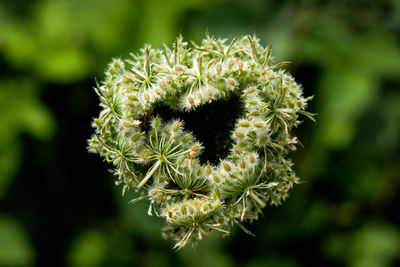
<point x="20" y="112"/>
<point x="374" y="245"/>
<point x="101" y="246"/>
<point x="88" y="250"/>
<point x="345" y="94"/>
<point x="273" y="262"/>
<point x="15" y="246"/>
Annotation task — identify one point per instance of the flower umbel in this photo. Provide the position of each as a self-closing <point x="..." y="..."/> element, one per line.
<point x="159" y="160"/>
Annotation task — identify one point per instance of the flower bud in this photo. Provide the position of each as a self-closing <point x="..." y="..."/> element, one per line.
<point x="132" y="97"/>
<point x="215" y="194"/>
<point x="244" y="124"/>
<point x="253" y="114"/>
<point x="230" y="82"/>
<point x="226" y="166"/>
<point x="162" y="84"/>
<point x="156" y="122"/>
<point x="186" y="138"/>
<point x="252" y="159"/>
<point x="178" y="68"/>
<point x="127" y="124"/>
<point x="190" y="100"/>
<point x="258" y="124"/>
<point x="136" y="137"/>
<point x="218" y="68"/>
<point x="195" y="147"/>
<point x="242" y="164"/>
<point x="181" y="160"/>
<point x="208" y="93"/>
<point x="239" y="134"/>
<point x="238" y="150"/>
<point x="130" y="88"/>
<point x="183" y="210"/>
<point x="250" y="90"/>
<point x="175" y="126"/>
<point x="208" y="170"/>
<point x="262" y="140"/>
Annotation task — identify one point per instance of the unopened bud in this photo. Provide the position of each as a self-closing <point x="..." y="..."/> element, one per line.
<point x="162" y="84"/>
<point x="186" y="138"/>
<point x="195" y="148"/>
<point x="136" y="137"/>
<point x="192" y="163"/>
<point x="208" y="93"/>
<point x="175" y="126"/>
<point x="226" y="166"/>
<point x="262" y="140"/>
<point x="218" y="68"/>
<point x="231" y="82"/>
<point x="190" y="100"/>
<point x="130" y="89"/>
<point x="126" y="79"/>
<point x="178" y="68"/>
<point x="250" y="90"/>
<point x="242" y="164"/>
<point x="244" y="124"/>
<point x="132" y="97"/>
<point x="156" y="122"/>
<point x="181" y="160"/>
<point x="253" y="114"/>
<point x="239" y="134"/>
<point x="259" y="124"/>
<point x="238" y="150"/>
<point x="252" y="159"/>
<point x="127" y="124"/>
<point x="183" y="210"/>
<point x="215" y="194"/>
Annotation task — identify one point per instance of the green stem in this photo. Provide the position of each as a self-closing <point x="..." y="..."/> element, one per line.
<point x="149" y="174"/>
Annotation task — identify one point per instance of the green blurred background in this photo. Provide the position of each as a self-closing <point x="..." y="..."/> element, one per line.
<point x="59" y="205"/>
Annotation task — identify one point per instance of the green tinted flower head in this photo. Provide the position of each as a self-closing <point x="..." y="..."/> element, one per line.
<point x="159" y="159"/>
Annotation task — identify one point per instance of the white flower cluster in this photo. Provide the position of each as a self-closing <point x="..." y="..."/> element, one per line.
<point x="160" y="159"/>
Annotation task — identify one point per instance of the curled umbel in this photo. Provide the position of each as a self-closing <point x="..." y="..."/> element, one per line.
<point x="159" y="160"/>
